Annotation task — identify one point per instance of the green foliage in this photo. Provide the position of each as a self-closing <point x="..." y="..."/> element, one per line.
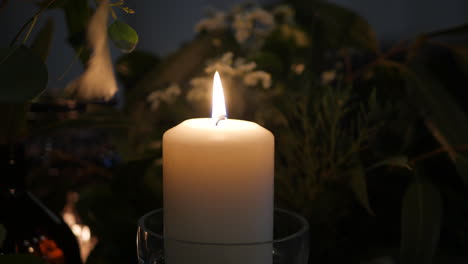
<point x="77" y="15"/>
<point x="124" y="37"/>
<point x="397" y="161"/>
<point x="349" y="121"/>
<point x="23" y="74"/>
<point x="325" y="148"/>
<point x="437" y="104"/>
<point x="421" y="223"/>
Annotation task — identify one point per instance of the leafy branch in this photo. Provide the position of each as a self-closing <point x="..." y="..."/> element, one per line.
<point x="31" y="23"/>
<point x="436" y="152"/>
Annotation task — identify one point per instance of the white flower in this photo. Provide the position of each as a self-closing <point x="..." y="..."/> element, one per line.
<point x="216" y="21"/>
<point x="169" y="95"/>
<point x="200" y="89"/>
<point x="241" y="66"/>
<point x="242" y="26"/>
<point x="261" y="16"/>
<point x="239" y="69"/>
<point x="256" y="77"/>
<point x="223" y="65"/>
<point x="98" y="81"/>
<point x="327" y="77"/>
<point x="247" y="23"/>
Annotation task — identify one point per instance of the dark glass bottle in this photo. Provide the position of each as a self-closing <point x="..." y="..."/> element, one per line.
<point x="31" y="227"/>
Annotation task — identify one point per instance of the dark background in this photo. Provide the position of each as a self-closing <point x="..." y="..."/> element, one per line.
<point x="164" y="25"/>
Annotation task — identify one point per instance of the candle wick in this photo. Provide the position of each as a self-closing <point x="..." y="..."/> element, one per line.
<point x="221" y="117"/>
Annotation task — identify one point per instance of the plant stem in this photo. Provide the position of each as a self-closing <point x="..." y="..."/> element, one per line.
<point x="435" y="152"/>
<point x="75" y="58"/>
<point x="33" y="23"/>
<point x="31" y="20"/>
<point x="399" y="47"/>
<point x="114" y="15"/>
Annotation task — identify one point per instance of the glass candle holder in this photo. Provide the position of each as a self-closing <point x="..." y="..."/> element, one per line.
<point x="289" y="246"/>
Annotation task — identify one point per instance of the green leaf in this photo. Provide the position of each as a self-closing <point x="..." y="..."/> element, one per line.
<point x="77" y="15"/>
<point x="124" y="36"/>
<point x="23" y="74"/>
<point x="21" y="259"/>
<point x="444" y="117"/>
<point x="421" y="223"/>
<point x="359" y="187"/>
<point x="41" y="44"/>
<point x="397" y="161"/>
<point x="2" y="234"/>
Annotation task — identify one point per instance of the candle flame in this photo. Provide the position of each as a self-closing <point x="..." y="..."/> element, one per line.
<point x="218" y="111"/>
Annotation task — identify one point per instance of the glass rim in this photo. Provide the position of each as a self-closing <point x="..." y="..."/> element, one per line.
<point x="303" y="229"/>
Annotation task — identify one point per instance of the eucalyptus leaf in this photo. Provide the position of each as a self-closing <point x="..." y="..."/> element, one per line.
<point x="124" y="36"/>
<point x="396" y="161"/>
<point x="77" y="15"/>
<point x="444" y="117"/>
<point x="41" y="44"/>
<point x="23" y="74"/>
<point x="3" y="233"/>
<point x="359" y="186"/>
<point x="421" y="223"/>
<point x="21" y="259"/>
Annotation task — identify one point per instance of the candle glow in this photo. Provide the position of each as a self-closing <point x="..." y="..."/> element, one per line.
<point x="218" y="111"/>
<point x="218" y="188"/>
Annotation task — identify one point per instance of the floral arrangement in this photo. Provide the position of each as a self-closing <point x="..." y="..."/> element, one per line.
<point x="370" y="141"/>
<point x="356" y="126"/>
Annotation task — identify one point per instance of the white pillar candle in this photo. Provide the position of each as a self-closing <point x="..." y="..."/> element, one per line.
<point x="218" y="182"/>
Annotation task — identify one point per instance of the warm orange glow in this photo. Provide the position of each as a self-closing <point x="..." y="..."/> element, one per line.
<point x="219" y="107"/>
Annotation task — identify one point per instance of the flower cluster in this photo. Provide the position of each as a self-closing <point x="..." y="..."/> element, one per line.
<point x="168" y="95"/>
<point x="229" y="68"/>
<point x="245" y="22"/>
